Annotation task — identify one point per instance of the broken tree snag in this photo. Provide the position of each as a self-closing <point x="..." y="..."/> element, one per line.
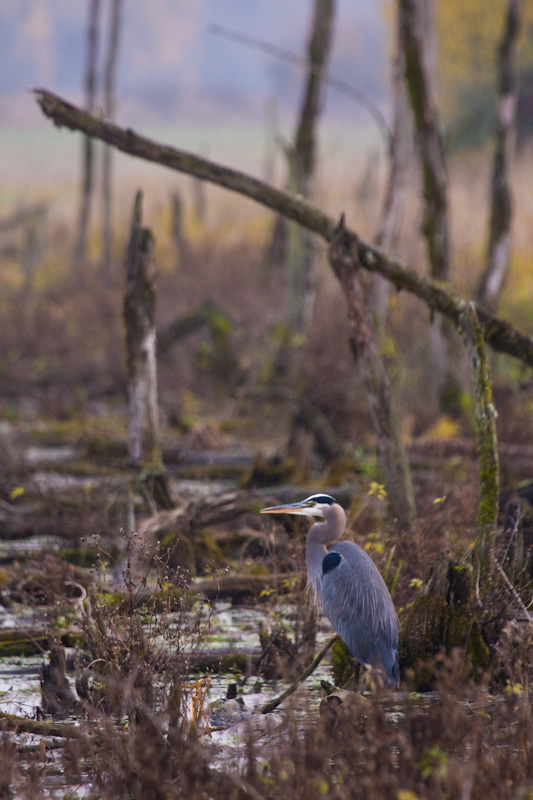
<point x="344" y="259"/>
<point x="139" y="318"/>
<point x="487" y="440"/>
<point x="501" y="210"/>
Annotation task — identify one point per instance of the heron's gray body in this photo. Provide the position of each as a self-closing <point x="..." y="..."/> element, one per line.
<point x="350" y="588"/>
<point x="358" y="604"/>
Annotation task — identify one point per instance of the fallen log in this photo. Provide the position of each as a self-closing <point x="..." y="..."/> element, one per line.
<point x="62" y="730"/>
<point x="33" y="641"/>
<point x="246" y="586"/>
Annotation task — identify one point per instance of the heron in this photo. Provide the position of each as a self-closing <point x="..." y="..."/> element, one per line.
<point x="347" y="583"/>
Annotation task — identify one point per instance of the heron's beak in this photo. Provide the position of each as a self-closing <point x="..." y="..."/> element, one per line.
<point x="304" y="508"/>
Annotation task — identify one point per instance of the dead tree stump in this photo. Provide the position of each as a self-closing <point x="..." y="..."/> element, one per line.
<point x="139" y="318"/>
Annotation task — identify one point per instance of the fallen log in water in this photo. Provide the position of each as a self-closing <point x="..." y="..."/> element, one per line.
<point x="241" y="586"/>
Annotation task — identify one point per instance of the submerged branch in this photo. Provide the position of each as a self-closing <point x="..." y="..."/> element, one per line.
<point x="438" y="295"/>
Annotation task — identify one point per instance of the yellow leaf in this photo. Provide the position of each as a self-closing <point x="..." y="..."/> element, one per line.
<point x="406" y="794"/>
<point x="16" y="492"/>
<point x="444" y="428"/>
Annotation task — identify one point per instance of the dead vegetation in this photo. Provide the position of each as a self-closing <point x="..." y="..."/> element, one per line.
<point x="227" y="397"/>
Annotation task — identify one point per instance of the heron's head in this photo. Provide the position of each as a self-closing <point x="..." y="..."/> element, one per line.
<point x="315" y="506"/>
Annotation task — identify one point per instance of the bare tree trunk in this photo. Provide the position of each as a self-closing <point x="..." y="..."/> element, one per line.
<point x="109" y="111"/>
<point x="487" y="439"/>
<point x="417" y="35"/>
<point x="488" y="293"/>
<point x="400" y="151"/>
<point x="302" y="157"/>
<point x="139" y="318"/>
<point x="344" y="258"/>
<point x="88" y="144"/>
<point x="177" y="229"/>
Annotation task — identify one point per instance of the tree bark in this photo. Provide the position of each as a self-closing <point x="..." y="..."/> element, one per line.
<point x="392" y="458"/>
<point x="416" y="34"/>
<point x="488" y="293"/>
<point x="139" y="318"/>
<point x="88" y="144"/>
<point x="400" y="147"/>
<point x="109" y="111"/>
<point x="487" y="439"/>
<point x="300" y="255"/>
<point x="499" y="334"/>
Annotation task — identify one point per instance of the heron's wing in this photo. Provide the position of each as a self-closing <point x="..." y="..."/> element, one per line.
<point x="357" y="602"/>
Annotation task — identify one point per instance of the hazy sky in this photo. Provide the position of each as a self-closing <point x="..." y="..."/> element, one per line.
<point x="171" y="66"/>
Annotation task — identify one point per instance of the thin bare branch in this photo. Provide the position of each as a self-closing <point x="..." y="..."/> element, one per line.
<point x="300" y="61"/>
<point x="277" y="701"/>
<point x="516" y="597"/>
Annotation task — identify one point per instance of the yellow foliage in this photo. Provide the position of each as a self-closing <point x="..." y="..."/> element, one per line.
<point x="444" y="428"/>
<point x="379" y="547"/>
<point x="377" y="489"/>
<point x="468" y="38"/>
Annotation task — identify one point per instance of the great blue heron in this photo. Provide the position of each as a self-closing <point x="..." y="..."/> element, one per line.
<point x="347" y="582"/>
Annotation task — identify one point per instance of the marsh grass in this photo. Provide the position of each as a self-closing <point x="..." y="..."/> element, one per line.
<point x="62" y="360"/>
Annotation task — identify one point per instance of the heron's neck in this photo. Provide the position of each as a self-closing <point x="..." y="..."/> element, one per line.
<point x="317" y="536"/>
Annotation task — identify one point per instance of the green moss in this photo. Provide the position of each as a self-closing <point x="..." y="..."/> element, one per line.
<point x="461" y="589"/>
<point x="81" y="557"/>
<point x="422" y="633"/>
<point x="342" y="663"/>
<point x="341" y="469"/>
<point x="421" y="677"/>
<point x="180" y="552"/>
<point x="259" y="569"/>
<point x="206" y="551"/>
<point x="458" y="628"/>
<point x="14" y="645"/>
<point x="477" y="648"/>
<point x="265" y="472"/>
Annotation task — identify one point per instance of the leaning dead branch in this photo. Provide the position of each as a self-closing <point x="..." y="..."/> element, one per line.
<point x="277" y="701"/>
<point x="499" y="334"/>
